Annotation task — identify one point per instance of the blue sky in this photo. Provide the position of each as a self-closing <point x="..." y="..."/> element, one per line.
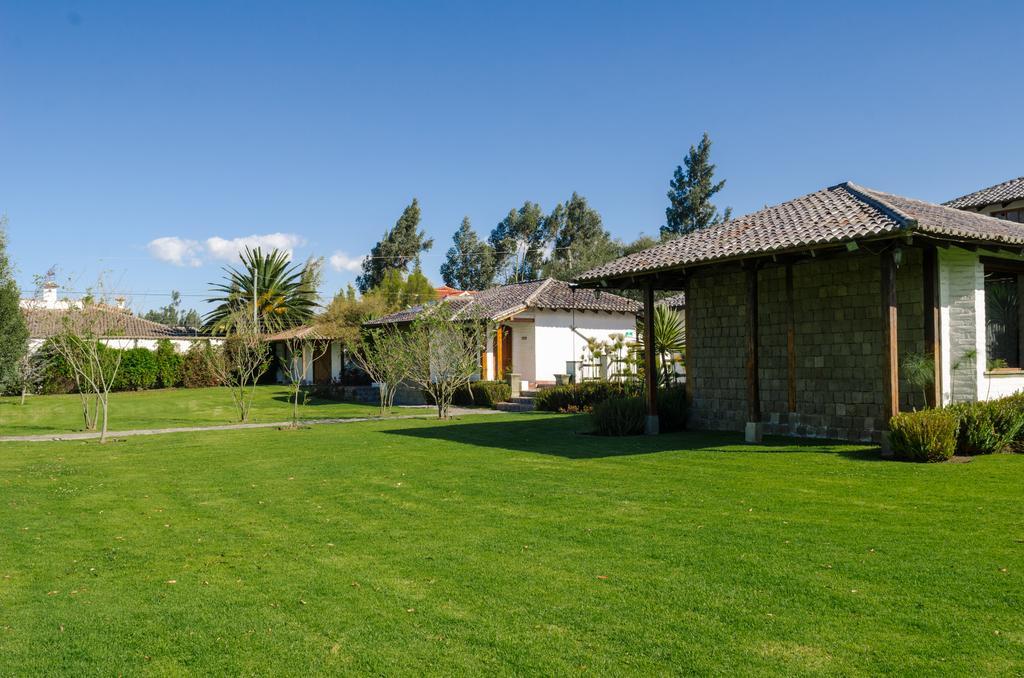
<point x="124" y="123"/>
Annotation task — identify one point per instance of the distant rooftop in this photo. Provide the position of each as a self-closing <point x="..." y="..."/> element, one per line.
<point x="1000" y="194"/>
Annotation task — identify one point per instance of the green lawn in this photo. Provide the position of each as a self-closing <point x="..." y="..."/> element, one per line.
<point x="509" y="545"/>
<point x="166" y="408"/>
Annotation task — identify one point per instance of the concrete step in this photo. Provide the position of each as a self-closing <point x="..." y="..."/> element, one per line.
<point x="522" y="400"/>
<point x="514" y="407"/>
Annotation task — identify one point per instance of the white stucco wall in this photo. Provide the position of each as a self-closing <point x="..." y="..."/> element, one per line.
<point x="180" y="345"/>
<point x="556" y="343"/>
<point x="962" y="313"/>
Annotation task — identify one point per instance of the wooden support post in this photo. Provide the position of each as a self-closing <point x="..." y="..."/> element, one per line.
<point x="932" y="321"/>
<point x="754" y="426"/>
<point x="650" y="369"/>
<point x="891" y="361"/>
<point x="790" y="340"/>
<point x="688" y="331"/>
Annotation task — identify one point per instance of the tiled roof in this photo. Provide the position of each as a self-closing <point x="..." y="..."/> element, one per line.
<point x="498" y="303"/>
<point x="1008" y="191"/>
<point x="301" y="332"/>
<point x="103" y="321"/>
<point x="445" y="291"/>
<point x="675" y="301"/>
<point x="841" y="213"/>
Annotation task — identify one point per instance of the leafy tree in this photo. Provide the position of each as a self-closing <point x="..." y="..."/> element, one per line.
<point x="345" y="315"/>
<point x="521" y="241"/>
<point x="469" y="264"/>
<point x="418" y="289"/>
<point x="643" y="242"/>
<point x="241" y="359"/>
<point x="13" y="331"/>
<point x="690" y="191"/>
<point x="171" y="314"/>
<point x="399" y="247"/>
<point x="283" y="295"/>
<point x="581" y="242"/>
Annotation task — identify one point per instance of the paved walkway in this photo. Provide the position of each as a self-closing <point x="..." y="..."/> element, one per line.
<point x="89" y="435"/>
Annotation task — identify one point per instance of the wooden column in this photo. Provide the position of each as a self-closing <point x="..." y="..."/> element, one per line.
<point x="753" y="430"/>
<point x="891" y="362"/>
<point x="932" y="320"/>
<point x="790" y="341"/>
<point x="650" y="369"/>
<point x="688" y="331"/>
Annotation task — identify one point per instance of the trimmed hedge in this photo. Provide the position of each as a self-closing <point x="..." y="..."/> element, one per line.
<point x="580" y="397"/>
<point x="195" y="368"/>
<point x="483" y="394"/>
<point x="168" y="364"/>
<point x="984" y="427"/>
<point x="620" y="416"/>
<point x="138" y="370"/>
<point x="927" y="435"/>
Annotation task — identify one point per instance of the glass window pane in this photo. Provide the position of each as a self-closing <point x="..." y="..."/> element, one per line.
<point x="1001" y="319"/>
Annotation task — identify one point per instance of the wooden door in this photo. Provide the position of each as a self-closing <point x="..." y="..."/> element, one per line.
<point x="322" y="367"/>
<point x="506" y="351"/>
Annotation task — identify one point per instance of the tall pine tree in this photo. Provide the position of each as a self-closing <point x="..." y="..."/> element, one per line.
<point x="690" y="191"/>
<point x="521" y="241"/>
<point x="399" y="247"/>
<point x="13" y="332"/>
<point x="469" y="264"/>
<point x="581" y="241"/>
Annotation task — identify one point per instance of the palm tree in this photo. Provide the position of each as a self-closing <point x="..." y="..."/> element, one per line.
<point x="669" y="341"/>
<point x="284" y="296"/>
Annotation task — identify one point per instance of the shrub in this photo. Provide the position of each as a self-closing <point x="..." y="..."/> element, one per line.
<point x="672" y="409"/>
<point x="196" y="371"/>
<point x="989" y="427"/>
<point x="483" y="393"/>
<point x="168" y="364"/>
<point x="619" y="416"/>
<point x="580" y="397"/>
<point x="138" y="370"/>
<point x="925" y="435"/>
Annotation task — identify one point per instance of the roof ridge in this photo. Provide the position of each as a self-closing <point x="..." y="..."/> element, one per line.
<point x="982" y="190"/>
<point x="532" y="296"/>
<point x="869" y="196"/>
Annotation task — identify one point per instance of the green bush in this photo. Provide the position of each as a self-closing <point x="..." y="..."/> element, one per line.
<point x="195" y="368"/>
<point x="483" y="394"/>
<point x="925" y="435"/>
<point x="168" y="364"/>
<point x="989" y="427"/>
<point x="580" y="397"/>
<point x="619" y="416"/>
<point x="672" y="409"/>
<point x="138" y="370"/>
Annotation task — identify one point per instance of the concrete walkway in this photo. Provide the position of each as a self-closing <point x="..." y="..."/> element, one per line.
<point x="90" y="435"/>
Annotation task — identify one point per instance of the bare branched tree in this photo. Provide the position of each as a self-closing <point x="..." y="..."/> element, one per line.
<point x="382" y="354"/>
<point x="93" y="365"/>
<point x="30" y="370"/>
<point x="240" y="360"/>
<point x="444" y="354"/>
<point x="303" y="351"/>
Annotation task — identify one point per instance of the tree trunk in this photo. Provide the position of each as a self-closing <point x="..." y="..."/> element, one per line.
<point x="103" y="431"/>
<point x="295" y="409"/>
<point x="23" y="392"/>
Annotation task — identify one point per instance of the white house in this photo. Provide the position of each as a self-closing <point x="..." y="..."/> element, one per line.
<point x="114" y="325"/>
<point x="541" y="327"/>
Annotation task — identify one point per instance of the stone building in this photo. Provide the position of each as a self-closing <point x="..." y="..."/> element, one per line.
<point x="800" y="317"/>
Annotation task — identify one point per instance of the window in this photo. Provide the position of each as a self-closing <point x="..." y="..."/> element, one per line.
<point x="1002" y="319"/>
<point x="1011" y="215"/>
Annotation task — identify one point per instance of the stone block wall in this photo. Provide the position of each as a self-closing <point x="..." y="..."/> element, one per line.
<point x="838" y="346"/>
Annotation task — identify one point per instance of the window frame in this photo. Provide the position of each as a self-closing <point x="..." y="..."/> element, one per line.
<point x="997" y="265"/>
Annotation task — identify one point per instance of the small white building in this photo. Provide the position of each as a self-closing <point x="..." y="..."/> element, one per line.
<point x="115" y="326"/>
<point x="541" y="327"/>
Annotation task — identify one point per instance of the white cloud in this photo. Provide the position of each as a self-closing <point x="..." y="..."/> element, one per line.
<point x="184" y="252"/>
<point x="228" y="250"/>
<point x="177" y="251"/>
<point x="343" y="262"/>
